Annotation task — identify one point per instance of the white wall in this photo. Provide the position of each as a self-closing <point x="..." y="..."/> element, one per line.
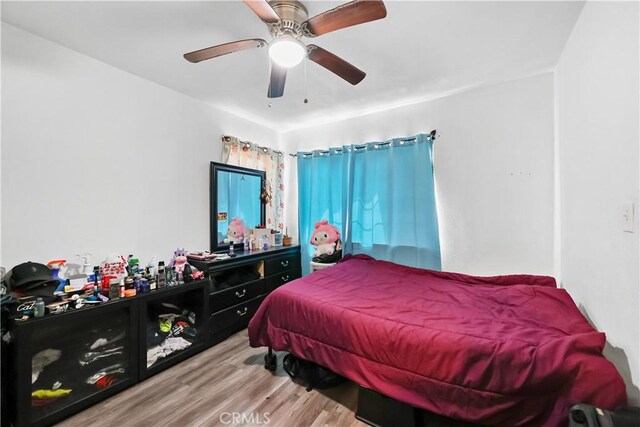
<point x="95" y="159"/>
<point x="493" y="166"/>
<point x="597" y="83"/>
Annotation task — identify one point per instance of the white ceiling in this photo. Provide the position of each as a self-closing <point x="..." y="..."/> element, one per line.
<point x="420" y="50"/>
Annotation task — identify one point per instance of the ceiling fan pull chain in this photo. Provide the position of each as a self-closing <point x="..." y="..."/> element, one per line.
<point x="306" y="85"/>
<point x="269" y="104"/>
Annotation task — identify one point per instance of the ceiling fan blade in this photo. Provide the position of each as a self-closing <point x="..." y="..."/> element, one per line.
<point x="276" y="82"/>
<point x="223" y="49"/>
<point x="346" y="15"/>
<point x="263" y="10"/>
<point x="335" y="64"/>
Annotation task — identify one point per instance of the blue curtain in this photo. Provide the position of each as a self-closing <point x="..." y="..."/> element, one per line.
<point x="323" y="176"/>
<point x="380" y="195"/>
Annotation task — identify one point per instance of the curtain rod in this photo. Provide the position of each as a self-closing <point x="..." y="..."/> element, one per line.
<point x="433" y="135"/>
<point x="247" y="144"/>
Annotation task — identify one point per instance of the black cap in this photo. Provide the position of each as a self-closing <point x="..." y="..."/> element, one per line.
<point x="30" y="275"/>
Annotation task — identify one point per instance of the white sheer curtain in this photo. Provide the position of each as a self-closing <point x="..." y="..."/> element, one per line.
<point x="250" y="155"/>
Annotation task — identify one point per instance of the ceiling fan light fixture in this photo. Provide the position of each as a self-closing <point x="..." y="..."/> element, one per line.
<point x="287" y="51"/>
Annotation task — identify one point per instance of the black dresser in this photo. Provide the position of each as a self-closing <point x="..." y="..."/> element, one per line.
<point x="238" y="285"/>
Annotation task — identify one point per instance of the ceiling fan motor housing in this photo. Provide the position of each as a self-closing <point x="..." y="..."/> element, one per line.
<point x="292" y="14"/>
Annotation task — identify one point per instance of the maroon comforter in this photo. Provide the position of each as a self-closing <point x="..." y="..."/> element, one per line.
<point x="508" y="350"/>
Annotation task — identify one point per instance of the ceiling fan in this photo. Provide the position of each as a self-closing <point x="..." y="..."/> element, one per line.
<point x="288" y="22"/>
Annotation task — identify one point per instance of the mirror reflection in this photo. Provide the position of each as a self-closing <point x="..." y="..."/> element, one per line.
<point x="239" y="206"/>
<point x="235" y="203"/>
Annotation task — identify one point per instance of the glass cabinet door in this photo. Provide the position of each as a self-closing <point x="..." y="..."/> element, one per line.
<point x="172" y="325"/>
<point x="76" y="359"/>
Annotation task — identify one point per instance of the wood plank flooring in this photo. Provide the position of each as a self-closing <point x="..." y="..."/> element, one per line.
<point x="221" y="383"/>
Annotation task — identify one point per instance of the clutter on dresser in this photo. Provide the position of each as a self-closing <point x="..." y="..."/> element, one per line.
<point x="262" y="234"/>
<point x="33" y="289"/>
<point x="85" y="355"/>
<point x="202" y="255"/>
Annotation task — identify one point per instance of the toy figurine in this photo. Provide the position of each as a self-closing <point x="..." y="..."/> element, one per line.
<point x="326" y="239"/>
<point x="182" y="267"/>
<point x="179" y="260"/>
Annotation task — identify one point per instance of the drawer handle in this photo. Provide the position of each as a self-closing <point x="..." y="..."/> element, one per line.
<point x="284" y="263"/>
<point x="240" y="295"/>
<point x="285" y="278"/>
<point x="242" y="313"/>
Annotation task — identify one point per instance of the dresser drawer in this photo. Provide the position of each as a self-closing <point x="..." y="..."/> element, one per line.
<point x="282" y="263"/>
<point x="232" y="296"/>
<point x="281" y="278"/>
<point x="236" y="317"/>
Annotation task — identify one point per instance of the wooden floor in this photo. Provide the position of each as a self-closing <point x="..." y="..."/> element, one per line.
<point x="223" y="382"/>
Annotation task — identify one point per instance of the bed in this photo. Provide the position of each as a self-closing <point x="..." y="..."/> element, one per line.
<point x="505" y="351"/>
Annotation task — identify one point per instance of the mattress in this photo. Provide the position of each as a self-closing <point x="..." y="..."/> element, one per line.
<point x="505" y="351"/>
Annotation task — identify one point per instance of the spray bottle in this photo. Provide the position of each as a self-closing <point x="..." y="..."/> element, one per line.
<point x="86" y="265"/>
<point x="87" y="268"/>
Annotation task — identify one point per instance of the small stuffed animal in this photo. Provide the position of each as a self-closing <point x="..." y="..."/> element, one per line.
<point x="235" y="231"/>
<point x="179" y="260"/>
<point x="324" y="238"/>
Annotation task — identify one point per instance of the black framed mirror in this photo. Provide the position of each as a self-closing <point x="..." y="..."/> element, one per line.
<point x="234" y="193"/>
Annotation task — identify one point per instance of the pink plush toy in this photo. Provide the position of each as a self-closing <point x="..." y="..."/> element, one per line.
<point x="235" y="231"/>
<point x="324" y="238"/>
<point x="179" y="260"/>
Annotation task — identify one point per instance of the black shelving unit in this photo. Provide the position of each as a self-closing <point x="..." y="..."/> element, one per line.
<point x="66" y="364"/>
<point x="218" y="311"/>
<point x="191" y="300"/>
